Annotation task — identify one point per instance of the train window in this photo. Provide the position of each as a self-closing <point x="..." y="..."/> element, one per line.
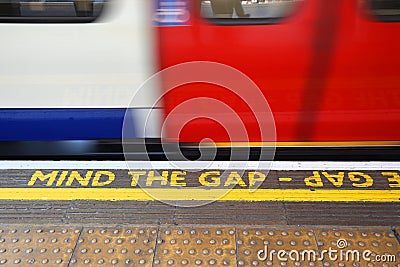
<point x="50" y="10"/>
<point x="247" y="11"/>
<point x="386" y="10"/>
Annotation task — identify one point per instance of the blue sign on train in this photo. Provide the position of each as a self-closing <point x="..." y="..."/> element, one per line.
<point x="171" y="13"/>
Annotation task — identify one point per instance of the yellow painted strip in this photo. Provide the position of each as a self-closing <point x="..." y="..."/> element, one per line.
<point x="285" y="179"/>
<point x="115" y="194"/>
<point x="304" y="144"/>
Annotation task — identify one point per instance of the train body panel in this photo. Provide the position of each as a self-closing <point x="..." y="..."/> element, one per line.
<point x="82" y="65"/>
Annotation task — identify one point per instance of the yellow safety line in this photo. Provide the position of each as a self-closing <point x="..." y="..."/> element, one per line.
<point x="304" y="144"/>
<point x="285" y="179"/>
<point x="138" y="194"/>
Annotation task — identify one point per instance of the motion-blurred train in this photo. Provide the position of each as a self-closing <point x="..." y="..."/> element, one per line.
<point x="72" y="71"/>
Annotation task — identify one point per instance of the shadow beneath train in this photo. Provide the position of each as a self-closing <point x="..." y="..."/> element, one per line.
<point x="113" y="149"/>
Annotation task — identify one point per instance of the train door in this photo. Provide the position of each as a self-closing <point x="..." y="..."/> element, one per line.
<point x="362" y="94"/>
<point x="329" y="69"/>
<point x="277" y="44"/>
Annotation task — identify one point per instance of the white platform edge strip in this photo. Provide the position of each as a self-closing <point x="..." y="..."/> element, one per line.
<point x="202" y="165"/>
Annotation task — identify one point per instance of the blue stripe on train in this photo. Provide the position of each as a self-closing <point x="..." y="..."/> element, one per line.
<point x="61" y="124"/>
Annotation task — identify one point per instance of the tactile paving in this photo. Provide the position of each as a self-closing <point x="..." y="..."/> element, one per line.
<point x="195" y="246"/>
<point x="133" y="246"/>
<point x="380" y="241"/>
<point x="37" y="246"/>
<point x="255" y="246"/>
<point x="211" y="246"/>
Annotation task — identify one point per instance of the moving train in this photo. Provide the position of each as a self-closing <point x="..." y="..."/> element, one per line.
<point x="295" y="74"/>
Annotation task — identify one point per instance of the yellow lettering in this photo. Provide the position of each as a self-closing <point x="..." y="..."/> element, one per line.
<point x="394" y="180"/>
<point x="216" y="181"/>
<point x="96" y="179"/>
<point x="176" y="179"/>
<point x="135" y="177"/>
<point x="61" y="180"/>
<point x="335" y="179"/>
<point x="51" y="177"/>
<point x="234" y="179"/>
<point x="76" y="176"/>
<point x="256" y="177"/>
<point x="151" y="178"/>
<point x="315" y="180"/>
<point x="358" y="176"/>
